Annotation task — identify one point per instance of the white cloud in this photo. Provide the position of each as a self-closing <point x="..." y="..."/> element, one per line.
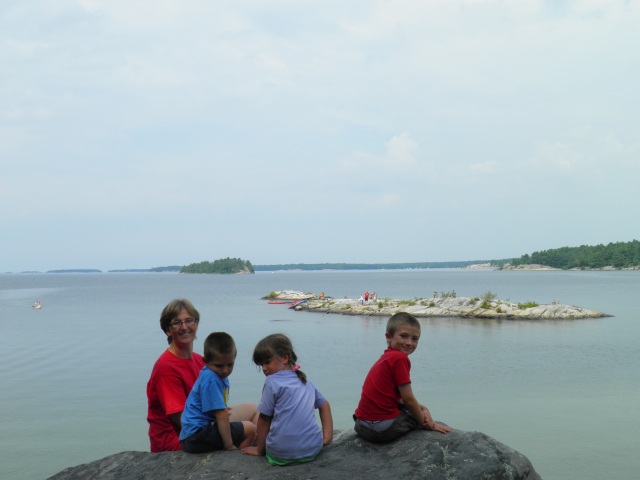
<point x="118" y="110"/>
<point x="484" y="168"/>
<point x="400" y="150"/>
<point x="595" y="156"/>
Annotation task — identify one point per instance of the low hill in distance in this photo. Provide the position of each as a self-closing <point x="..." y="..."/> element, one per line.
<point x="221" y="266"/>
<point x="367" y="266"/>
<point x="617" y="255"/>
<point x="173" y="268"/>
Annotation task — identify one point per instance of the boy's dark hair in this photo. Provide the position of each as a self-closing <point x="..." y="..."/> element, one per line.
<point x="217" y="344"/>
<point x="277" y="344"/>
<point x="171" y="312"/>
<point x="401" y="318"/>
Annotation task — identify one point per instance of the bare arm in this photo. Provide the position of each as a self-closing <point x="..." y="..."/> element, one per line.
<point x="327" y="423"/>
<point x="224" y="427"/>
<point x="424" y="416"/>
<point x="264" y="423"/>
<point x="409" y="400"/>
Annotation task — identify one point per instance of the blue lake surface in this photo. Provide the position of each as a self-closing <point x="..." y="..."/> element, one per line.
<point x="563" y="393"/>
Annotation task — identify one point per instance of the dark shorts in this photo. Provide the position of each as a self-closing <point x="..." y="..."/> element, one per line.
<point x="208" y="438"/>
<point x="402" y="424"/>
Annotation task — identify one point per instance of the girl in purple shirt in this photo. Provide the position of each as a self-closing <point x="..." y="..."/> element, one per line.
<point x="287" y="430"/>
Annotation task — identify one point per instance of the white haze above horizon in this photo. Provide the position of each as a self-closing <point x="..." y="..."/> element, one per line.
<point x="138" y="134"/>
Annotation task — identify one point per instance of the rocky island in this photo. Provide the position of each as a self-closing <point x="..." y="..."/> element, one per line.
<point x="457" y="455"/>
<point x="445" y="305"/>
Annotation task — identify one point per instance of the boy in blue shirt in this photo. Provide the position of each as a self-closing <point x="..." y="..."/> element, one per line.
<point x="205" y="419"/>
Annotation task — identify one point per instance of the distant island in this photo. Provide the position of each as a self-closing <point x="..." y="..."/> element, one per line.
<point x="76" y="270"/>
<point x="619" y="255"/>
<point x="447" y="304"/>
<point x="221" y="266"/>
<point x="174" y="268"/>
<point x="369" y="266"/>
<point x="613" y="256"/>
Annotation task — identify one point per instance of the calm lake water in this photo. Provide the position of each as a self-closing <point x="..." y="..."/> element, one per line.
<point x="563" y="393"/>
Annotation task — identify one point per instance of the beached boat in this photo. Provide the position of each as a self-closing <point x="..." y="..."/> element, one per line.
<point x="299" y="302"/>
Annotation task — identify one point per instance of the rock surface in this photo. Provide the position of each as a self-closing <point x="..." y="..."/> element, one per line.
<point x="462" y="307"/>
<point x="291" y="295"/>
<point x="450" y="307"/>
<point x="418" y="455"/>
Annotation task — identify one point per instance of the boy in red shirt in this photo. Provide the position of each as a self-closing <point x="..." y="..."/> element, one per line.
<point x="388" y="409"/>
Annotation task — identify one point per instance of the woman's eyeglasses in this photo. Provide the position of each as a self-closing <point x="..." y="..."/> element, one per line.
<point x="189" y="322"/>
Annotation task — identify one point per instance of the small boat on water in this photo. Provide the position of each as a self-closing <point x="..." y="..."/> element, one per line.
<point x="278" y="303"/>
<point x="299" y="302"/>
<point x="37" y="305"/>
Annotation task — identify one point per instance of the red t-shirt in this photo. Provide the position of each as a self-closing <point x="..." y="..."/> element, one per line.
<point x="171" y="381"/>
<point x="380" y="393"/>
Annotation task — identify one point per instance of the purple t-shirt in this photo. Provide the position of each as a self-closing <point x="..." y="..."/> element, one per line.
<point x="294" y="431"/>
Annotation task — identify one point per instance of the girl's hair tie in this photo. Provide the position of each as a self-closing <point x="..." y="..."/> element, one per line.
<point x="296" y="367"/>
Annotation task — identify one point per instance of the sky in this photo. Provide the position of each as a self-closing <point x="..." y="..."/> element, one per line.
<point x="146" y="133"/>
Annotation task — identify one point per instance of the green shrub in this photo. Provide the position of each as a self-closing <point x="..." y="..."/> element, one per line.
<point x="272" y="295"/>
<point x="409" y="303"/>
<point x="524" y="306"/>
<point x="489" y="296"/>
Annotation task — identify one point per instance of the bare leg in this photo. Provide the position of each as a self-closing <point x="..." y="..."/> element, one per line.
<point x="249" y="435"/>
<point x="244" y="412"/>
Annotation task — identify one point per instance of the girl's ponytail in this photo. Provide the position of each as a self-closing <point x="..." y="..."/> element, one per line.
<point x="301" y="375"/>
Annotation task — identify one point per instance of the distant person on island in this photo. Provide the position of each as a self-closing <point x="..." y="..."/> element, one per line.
<point x="388" y="409"/>
<point x="366" y="297"/>
<point x="206" y="424"/>
<point x="287" y="429"/>
<point x="173" y="376"/>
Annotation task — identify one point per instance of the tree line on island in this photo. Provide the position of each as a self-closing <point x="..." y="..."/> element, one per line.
<point x="221" y="266"/>
<point x="616" y="255"/>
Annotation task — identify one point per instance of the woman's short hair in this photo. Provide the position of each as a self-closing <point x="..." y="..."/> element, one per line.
<point x="171" y="312"/>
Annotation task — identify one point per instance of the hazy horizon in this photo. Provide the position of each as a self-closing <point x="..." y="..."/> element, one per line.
<point x="160" y="133"/>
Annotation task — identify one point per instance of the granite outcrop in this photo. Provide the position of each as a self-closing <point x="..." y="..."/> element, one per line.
<point x="445" y="306"/>
<point x="457" y="455"/>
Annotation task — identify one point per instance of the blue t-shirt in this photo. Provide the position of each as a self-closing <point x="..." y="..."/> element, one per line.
<point x="209" y="393"/>
<point x="294" y="431"/>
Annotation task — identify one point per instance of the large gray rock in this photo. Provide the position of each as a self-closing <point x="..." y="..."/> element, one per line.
<point x="449" y="306"/>
<point x="418" y="455"/>
<point x="460" y="307"/>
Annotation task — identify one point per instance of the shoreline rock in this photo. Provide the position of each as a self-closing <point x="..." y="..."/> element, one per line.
<point x="290" y="295"/>
<point x="460" y="307"/>
<point x="457" y="455"/>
